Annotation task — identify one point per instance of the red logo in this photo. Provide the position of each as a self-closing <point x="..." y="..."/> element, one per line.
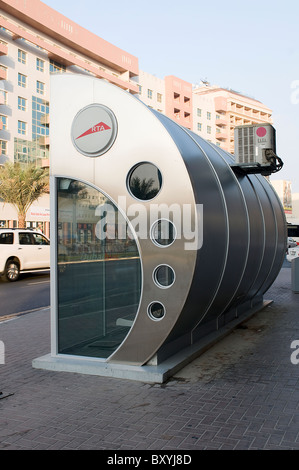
<point x="261" y="132"/>
<point x="97" y="128"/>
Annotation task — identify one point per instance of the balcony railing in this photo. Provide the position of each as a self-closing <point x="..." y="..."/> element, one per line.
<point x="45" y="119"/>
<point x="44" y="140"/>
<point x="221" y="135"/>
<point x="220" y="104"/>
<point x="221" y="122"/>
<point x="3" y="73"/>
<point x="3" y="49"/>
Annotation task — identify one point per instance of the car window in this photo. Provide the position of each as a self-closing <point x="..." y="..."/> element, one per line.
<point x="6" y="238"/>
<point x="25" y="238"/>
<point x="39" y="239"/>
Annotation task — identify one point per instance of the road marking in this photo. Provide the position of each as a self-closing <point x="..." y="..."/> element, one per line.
<point x="6" y="318"/>
<point x="12" y="316"/>
<point x="36" y="283"/>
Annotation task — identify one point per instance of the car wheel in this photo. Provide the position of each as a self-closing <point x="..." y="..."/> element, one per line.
<point x="12" y="271"/>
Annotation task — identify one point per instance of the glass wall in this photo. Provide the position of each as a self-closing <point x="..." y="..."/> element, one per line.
<point x="99" y="272"/>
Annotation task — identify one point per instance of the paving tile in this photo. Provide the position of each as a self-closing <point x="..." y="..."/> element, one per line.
<point x="252" y="403"/>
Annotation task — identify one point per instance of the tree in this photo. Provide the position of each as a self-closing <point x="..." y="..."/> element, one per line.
<point x="142" y="189"/>
<point x="21" y="186"/>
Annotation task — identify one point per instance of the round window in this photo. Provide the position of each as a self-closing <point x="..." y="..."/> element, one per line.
<point x="156" y="311"/>
<point x="163" y="232"/>
<point x="144" y="181"/>
<point x="164" y="276"/>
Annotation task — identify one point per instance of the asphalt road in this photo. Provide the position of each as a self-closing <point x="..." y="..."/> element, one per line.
<point x="30" y="292"/>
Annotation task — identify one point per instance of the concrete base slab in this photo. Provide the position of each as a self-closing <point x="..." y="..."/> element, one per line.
<point x="147" y="373"/>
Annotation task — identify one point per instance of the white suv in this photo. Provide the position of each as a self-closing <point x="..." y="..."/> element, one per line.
<point x="22" y="250"/>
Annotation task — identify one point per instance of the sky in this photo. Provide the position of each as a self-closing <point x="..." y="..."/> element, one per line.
<point x="251" y="47"/>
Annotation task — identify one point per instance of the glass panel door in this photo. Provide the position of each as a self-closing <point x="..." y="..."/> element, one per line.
<point x="98" y="272"/>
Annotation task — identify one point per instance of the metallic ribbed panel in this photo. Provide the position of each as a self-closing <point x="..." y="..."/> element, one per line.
<point x="244" y="229"/>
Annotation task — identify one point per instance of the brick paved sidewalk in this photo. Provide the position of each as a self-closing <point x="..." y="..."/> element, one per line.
<point x="241" y="394"/>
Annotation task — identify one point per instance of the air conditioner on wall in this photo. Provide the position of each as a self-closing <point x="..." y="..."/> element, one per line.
<point x="255" y="149"/>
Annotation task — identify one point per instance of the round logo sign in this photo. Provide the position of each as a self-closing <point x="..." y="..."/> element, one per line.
<point x="261" y="132"/>
<point x="94" y="130"/>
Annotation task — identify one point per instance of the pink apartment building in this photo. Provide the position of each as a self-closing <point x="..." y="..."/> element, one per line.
<point x="35" y="42"/>
<point x="171" y="96"/>
<point x="178" y="100"/>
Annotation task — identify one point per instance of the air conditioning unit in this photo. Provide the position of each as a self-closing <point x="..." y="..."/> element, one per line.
<point x="251" y="142"/>
<point x="255" y="149"/>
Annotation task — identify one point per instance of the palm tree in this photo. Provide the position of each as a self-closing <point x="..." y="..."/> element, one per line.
<point x="142" y="189"/>
<point x="21" y="186"/>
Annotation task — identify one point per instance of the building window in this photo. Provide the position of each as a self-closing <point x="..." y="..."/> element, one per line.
<point x="22" y="103"/>
<point x="3" y="147"/>
<point x="3" y="119"/>
<point x="159" y="97"/>
<point x="150" y="94"/>
<point x="199" y="126"/>
<point x="22" y="126"/>
<point x="22" y="56"/>
<point x="198" y="112"/>
<point x="22" y="80"/>
<point x="140" y="89"/>
<point x="40" y="87"/>
<point x="39" y="149"/>
<point x="3" y="97"/>
<point x="40" y="65"/>
<point x="21" y="151"/>
<point x="208" y="115"/>
<point x="56" y="67"/>
<point x="209" y="129"/>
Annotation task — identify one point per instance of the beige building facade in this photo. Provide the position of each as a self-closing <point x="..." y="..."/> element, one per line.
<point x="208" y="110"/>
<point x="231" y="109"/>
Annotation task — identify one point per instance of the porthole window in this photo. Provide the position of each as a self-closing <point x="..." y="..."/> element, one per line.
<point x="163" y="233"/>
<point x="156" y="311"/>
<point x="144" y="181"/>
<point x="164" y="276"/>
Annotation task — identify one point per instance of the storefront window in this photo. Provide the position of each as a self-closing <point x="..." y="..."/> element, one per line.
<point x="99" y="272"/>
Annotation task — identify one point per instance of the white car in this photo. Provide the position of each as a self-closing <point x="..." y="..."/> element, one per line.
<point x="291" y="242"/>
<point x="293" y="253"/>
<point x="23" y="250"/>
